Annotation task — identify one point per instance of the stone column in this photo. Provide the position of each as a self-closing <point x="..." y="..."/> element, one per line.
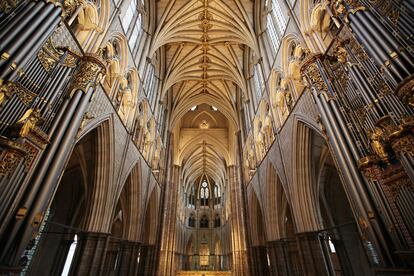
<point x="260" y="261"/>
<point x="129" y="258"/>
<point x="147" y="264"/>
<point x="166" y="263"/>
<point x="90" y="254"/>
<point x="311" y="253"/>
<point x="237" y="223"/>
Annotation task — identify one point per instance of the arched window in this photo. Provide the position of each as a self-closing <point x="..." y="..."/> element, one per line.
<point x="191" y="198"/>
<point x="276" y="24"/>
<point x="217" y="222"/>
<point x="204" y="222"/>
<point x="133" y="39"/>
<point x="204" y="193"/>
<point x="274" y="38"/>
<point x="258" y="82"/>
<point x="129" y="15"/>
<point x="191" y="221"/>
<point x="151" y="83"/>
<point x="217" y="195"/>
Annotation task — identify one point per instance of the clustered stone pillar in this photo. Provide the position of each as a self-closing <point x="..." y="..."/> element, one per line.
<point x="166" y="262"/>
<point x="280" y="258"/>
<point x="89" y="257"/>
<point x="259" y="262"/>
<point x="237" y="223"/>
<point x="311" y="253"/>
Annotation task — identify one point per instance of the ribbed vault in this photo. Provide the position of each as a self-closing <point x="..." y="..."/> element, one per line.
<point x="204" y="43"/>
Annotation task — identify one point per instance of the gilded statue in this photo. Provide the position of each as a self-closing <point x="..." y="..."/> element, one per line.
<point x="6" y="91"/>
<point x="341" y="54"/>
<point x="26" y="123"/>
<point x="377" y="142"/>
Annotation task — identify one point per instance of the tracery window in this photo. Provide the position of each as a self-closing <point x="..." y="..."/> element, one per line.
<point x="204" y="194"/>
<point x="191" y="198"/>
<point x="191" y="221"/>
<point x="258" y="82"/>
<point x="274" y="38"/>
<point x="129" y="15"/>
<point x="204" y="222"/>
<point x="150" y="83"/>
<point x="217" y="222"/>
<point x="276" y="24"/>
<point x="217" y="195"/>
<point x="133" y="39"/>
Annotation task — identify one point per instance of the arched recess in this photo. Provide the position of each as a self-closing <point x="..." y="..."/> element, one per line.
<point x="66" y="215"/>
<point x="101" y="197"/>
<point x="320" y="204"/>
<point x="129" y="205"/>
<point x="275" y="206"/>
<point x="218" y="252"/>
<point x="115" y="53"/>
<point x="151" y="218"/>
<point x="258" y="236"/>
<point x="345" y="248"/>
<point x="304" y="194"/>
<point x="189" y="251"/>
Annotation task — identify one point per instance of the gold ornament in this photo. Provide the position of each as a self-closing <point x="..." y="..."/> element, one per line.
<point x="27" y="122"/>
<point x="406" y="92"/>
<point x="7" y="5"/>
<point x="377" y="142"/>
<point x="90" y="72"/>
<point x="9" y="88"/>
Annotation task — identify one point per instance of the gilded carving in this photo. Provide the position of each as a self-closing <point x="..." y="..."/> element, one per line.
<point x="341" y="54"/>
<point x="5" y="92"/>
<point x="90" y="71"/>
<point x="377" y="142"/>
<point x="369" y="167"/>
<point x="315" y="76"/>
<point x="404" y="144"/>
<point x="37" y="136"/>
<point x="46" y="60"/>
<point x="30" y="156"/>
<point x="7" y="5"/>
<point x="406" y="92"/>
<point x="9" y="161"/>
<point x="26" y="123"/>
<point x="71" y="60"/>
<point x="49" y="55"/>
<point x="9" y="88"/>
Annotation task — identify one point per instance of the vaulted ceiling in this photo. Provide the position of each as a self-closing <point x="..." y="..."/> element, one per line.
<point x="205" y="44"/>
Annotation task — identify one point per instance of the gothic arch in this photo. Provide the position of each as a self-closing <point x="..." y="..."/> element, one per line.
<point x="130" y="199"/>
<point x="275" y="203"/>
<point x="102" y="196"/>
<point x="304" y="190"/>
<point x="151" y="217"/>
<point x="258" y="228"/>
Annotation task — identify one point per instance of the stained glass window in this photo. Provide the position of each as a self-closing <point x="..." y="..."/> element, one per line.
<point x="204" y="193"/>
